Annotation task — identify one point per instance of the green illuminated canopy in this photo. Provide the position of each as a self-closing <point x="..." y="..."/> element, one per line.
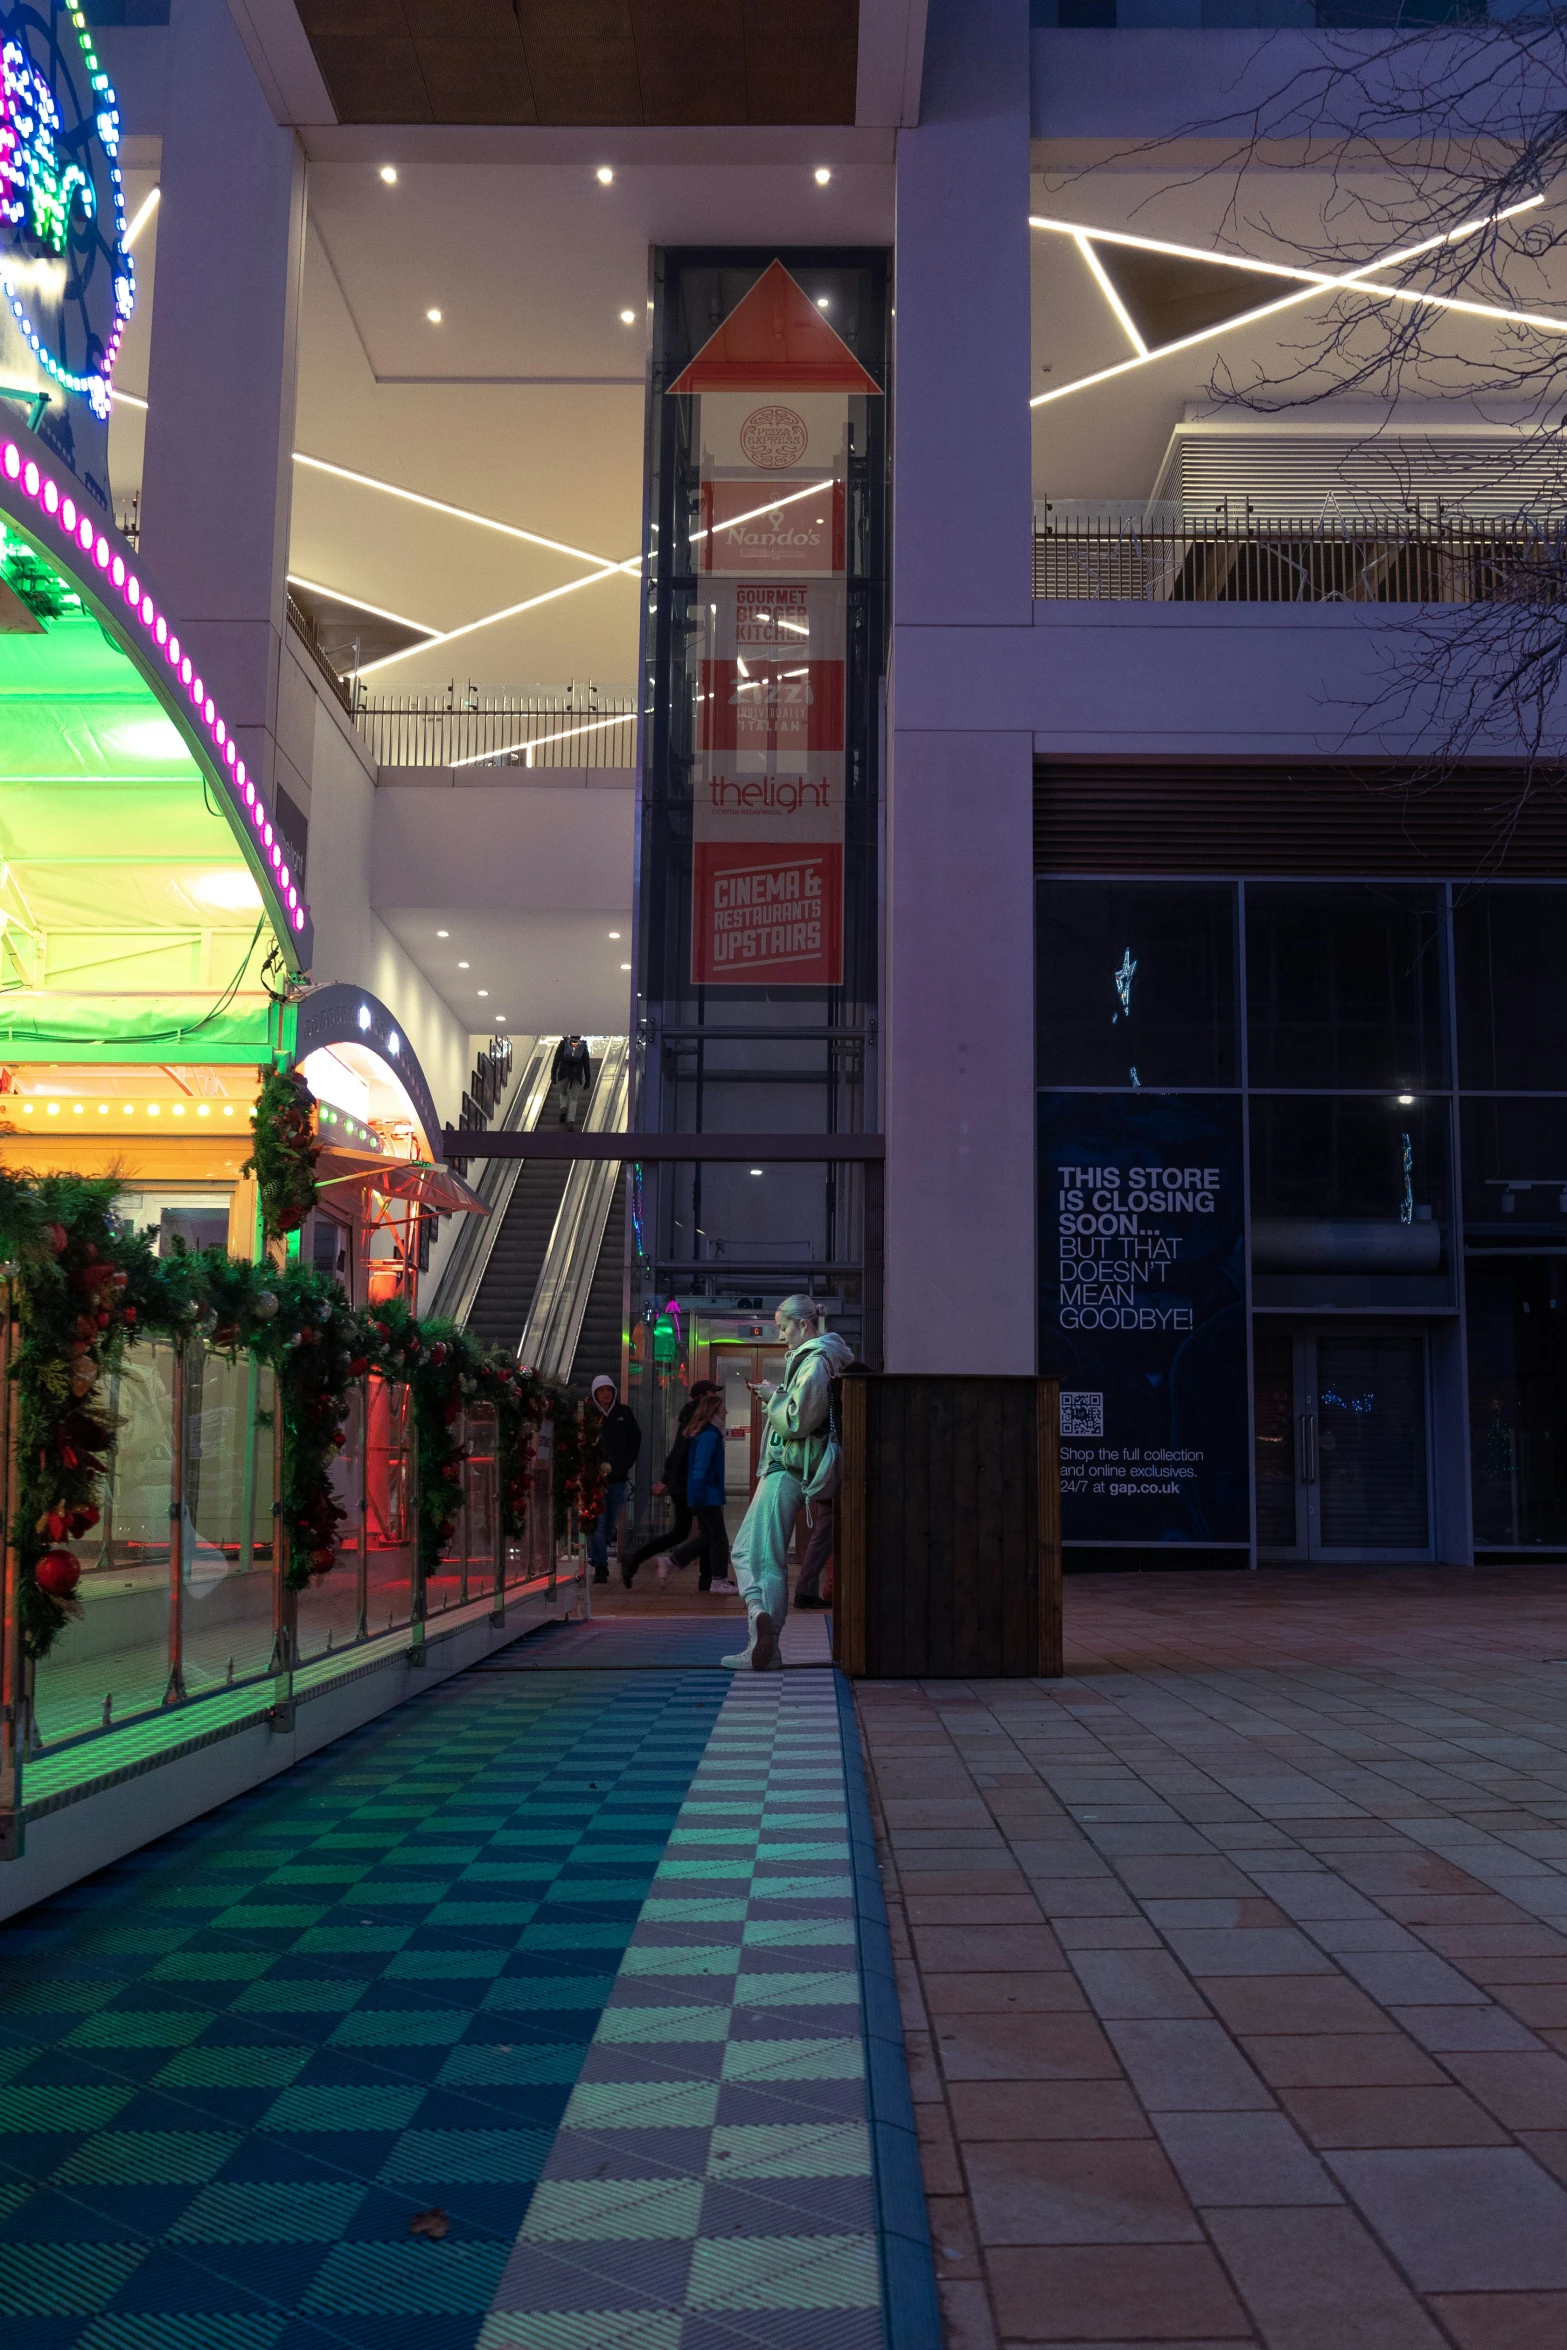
<point x="129" y="916"/>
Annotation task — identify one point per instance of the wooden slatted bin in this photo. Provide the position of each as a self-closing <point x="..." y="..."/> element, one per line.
<point x="948" y="1560"/>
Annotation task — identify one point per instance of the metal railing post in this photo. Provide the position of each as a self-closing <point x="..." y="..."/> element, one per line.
<point x="13" y="1688"/>
<point x="417" y="1596"/>
<point x="174" y="1693"/>
<point x="363" y="1632"/>
<point x="467" y="1500"/>
<point x="497" y="1527"/>
<point x="285" y="1603"/>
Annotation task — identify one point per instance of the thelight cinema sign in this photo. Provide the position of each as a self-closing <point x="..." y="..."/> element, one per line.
<point x="769" y="771"/>
<point x="68" y="281"/>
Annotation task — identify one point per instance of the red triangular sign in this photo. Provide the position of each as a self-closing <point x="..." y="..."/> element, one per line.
<point x="775" y="340"/>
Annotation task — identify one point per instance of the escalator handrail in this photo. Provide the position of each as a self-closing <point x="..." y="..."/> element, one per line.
<point x="560" y="1300"/>
<point x="469" y="1261"/>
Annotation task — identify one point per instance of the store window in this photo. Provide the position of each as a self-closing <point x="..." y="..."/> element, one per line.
<point x="1350" y="1200"/>
<point x="1517" y="1316"/>
<point x="1515" y="1169"/>
<point x="1344" y="985"/>
<point x="1136" y="984"/>
<point x="1510" y="980"/>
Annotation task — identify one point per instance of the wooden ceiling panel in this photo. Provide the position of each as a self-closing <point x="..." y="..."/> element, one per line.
<point x="478" y="81"/>
<point x="373" y="81"/>
<point x="463" y="20"/>
<point x="582" y="58"/>
<point x="587" y="61"/>
<point x="801" y="57"/>
<point x="691" y="61"/>
<point x="353" y="20"/>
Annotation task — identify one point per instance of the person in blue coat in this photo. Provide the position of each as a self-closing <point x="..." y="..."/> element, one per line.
<point x="705" y="1495"/>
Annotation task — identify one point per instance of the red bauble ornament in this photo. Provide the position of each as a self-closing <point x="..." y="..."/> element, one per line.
<point x="58" y="1572"/>
<point x="56" y="1236"/>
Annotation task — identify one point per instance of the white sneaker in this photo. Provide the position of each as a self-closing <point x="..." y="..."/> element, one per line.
<point x="664" y="1567"/>
<point x="723" y="1583"/>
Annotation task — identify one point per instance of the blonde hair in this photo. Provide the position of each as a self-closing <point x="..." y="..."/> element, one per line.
<point x="800" y="1308"/>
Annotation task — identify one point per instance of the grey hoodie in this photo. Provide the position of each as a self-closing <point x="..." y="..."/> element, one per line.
<point x="796" y="1417"/>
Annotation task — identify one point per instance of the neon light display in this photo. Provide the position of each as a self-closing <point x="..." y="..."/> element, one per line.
<point x="68" y="280"/>
<point x="113" y="559"/>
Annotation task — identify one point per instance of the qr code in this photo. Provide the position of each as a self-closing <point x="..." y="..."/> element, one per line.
<point x="1082" y="1414"/>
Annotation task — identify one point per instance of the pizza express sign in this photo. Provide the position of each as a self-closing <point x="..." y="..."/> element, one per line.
<point x="68" y="281"/>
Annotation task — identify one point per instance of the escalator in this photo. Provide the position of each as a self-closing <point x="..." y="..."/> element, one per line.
<point x="500" y="1309"/>
<point x="581" y="1258"/>
<point x="542" y="1275"/>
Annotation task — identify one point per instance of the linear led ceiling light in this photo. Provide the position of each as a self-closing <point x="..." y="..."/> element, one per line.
<point x="449" y="636"/>
<point x="510" y="530"/>
<point x="1306" y="282"/>
<point x="313" y="587"/>
<point x="536" y="742"/>
<point x="144" y="212"/>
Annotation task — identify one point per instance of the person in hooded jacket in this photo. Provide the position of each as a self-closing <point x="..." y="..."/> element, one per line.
<point x="705" y="1496"/>
<point x="571" y="1074"/>
<point x="620" y="1440"/>
<point x="673" y="1484"/>
<point x="798" y="1464"/>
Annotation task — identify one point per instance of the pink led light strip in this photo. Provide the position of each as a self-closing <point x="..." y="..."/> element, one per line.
<point x="87" y="539"/>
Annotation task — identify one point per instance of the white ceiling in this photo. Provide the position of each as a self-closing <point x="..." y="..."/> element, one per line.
<point x="1108" y="440"/>
<point x="543" y="971"/>
<point x="526" y="403"/>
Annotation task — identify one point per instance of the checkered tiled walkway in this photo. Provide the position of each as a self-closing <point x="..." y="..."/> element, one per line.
<point x="566" y="1961"/>
<point x="710" y="2185"/>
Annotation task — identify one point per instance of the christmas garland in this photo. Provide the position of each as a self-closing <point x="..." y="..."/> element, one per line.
<point x="284" y="1153"/>
<point x="581" y="1472"/>
<point x="86" y="1287"/>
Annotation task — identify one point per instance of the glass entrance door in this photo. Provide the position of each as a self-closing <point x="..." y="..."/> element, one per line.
<point x="1342" y="1457"/>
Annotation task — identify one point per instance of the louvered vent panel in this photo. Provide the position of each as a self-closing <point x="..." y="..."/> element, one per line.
<point x="1190" y="817"/>
<point x="1290" y="476"/>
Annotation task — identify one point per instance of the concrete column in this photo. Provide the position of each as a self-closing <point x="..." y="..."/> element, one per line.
<point x="960" y="932"/>
<point x="217" y="478"/>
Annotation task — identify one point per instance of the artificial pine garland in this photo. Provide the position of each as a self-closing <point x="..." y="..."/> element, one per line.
<point x="285" y="1150"/>
<point x="85" y="1288"/>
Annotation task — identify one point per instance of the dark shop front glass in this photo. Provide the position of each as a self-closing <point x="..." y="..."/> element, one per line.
<point x="1517" y="1315"/>
<point x="1510" y="981"/>
<point x="1344" y="984"/>
<point x="1136" y="984"/>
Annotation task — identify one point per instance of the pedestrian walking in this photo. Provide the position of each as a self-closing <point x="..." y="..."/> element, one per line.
<point x="620" y="1441"/>
<point x="673" y="1485"/>
<point x="705" y="1494"/>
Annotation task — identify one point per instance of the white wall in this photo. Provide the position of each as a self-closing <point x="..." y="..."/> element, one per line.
<point x="960" y="934"/>
<point x="1181" y="680"/>
<point x="353" y="945"/>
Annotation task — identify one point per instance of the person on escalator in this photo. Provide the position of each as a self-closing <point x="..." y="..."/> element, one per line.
<point x="572" y="1077"/>
<point x="673" y="1485"/>
<point x="705" y="1495"/>
<point x="620" y="1440"/>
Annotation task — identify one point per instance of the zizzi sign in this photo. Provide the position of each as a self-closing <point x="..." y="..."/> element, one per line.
<point x="67" y="277"/>
<point x="1142" y="1314"/>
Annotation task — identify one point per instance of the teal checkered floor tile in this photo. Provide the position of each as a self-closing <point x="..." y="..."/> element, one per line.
<point x="567" y="1958"/>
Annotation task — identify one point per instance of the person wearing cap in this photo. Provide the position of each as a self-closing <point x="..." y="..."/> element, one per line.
<point x="620" y="1440"/>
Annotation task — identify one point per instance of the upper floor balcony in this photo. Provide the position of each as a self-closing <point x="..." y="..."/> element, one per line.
<point x="1164" y="553"/>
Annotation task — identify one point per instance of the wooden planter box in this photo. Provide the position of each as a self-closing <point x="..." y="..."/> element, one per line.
<point x="948" y="1561"/>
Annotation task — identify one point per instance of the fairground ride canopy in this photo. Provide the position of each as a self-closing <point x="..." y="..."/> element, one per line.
<point x="146" y="909"/>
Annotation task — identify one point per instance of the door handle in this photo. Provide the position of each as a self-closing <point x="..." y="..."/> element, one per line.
<point x="1308" y="1448"/>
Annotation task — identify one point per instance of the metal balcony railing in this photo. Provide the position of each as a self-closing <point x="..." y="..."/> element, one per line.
<point x="450" y="727"/>
<point x="1409" y="558"/>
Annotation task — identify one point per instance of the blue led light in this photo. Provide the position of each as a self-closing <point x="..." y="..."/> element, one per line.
<point x="51" y="237"/>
